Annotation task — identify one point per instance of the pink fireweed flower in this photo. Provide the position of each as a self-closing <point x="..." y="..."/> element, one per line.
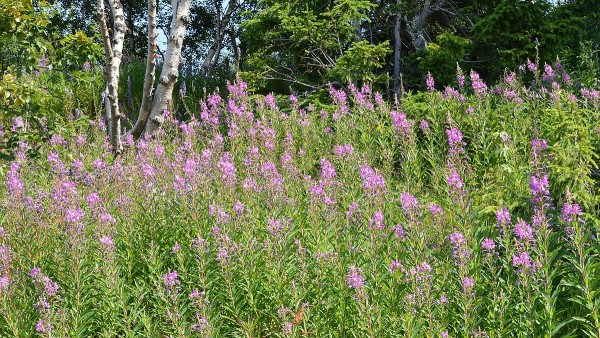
<point x="523" y="231"/>
<point x="238" y="89"/>
<point x="503" y="218"/>
<point x="460" y="79"/>
<point x="272" y="176"/>
<point x="106" y="219"/>
<point x="479" y="87"/>
<point x="538" y="146"/>
<point x="421" y="272"/>
<point x="436" y="210"/>
<point x="377" y="221"/>
<point x="488" y="245"/>
<point x="522" y="261"/>
<point x="43" y="327"/>
<point x="277" y="227"/>
<point x="18" y="123"/>
<point x="179" y="184"/>
<point x="399" y="232"/>
<point x="510" y="78"/>
<point x="58" y="140"/>
<point x="216" y="211"/>
<point x="354" y="278"/>
<point x="106" y="242"/>
<point x="14" y="184"/>
<point x="227" y="168"/>
<point x="468" y="284"/>
<point x="372" y="182"/>
<point x="408" y="201"/>
<point x="327" y="170"/>
<point x="539" y="186"/>
<point x="379" y="100"/>
<point x="459" y="246"/>
<point x="339" y="96"/>
<point x="531" y="66"/>
<point x="128" y="140"/>
<point x="343" y="151"/>
<point x="396" y="265"/>
<point x="5" y="259"/>
<point x="58" y="167"/>
<point x="294" y="99"/>
<point x="566" y="78"/>
<point x="4" y="284"/>
<point x="239" y="208"/>
<point x="401" y="124"/>
<point x="99" y="165"/>
<point x="202" y="327"/>
<point x="147" y="170"/>
<point x="455" y="140"/>
<point x="47" y="291"/>
<point x="270" y="102"/>
<point x="171" y="281"/>
<point x="454" y="180"/>
<point x="159" y="151"/>
<point x="430" y="82"/>
<point x="190" y="167"/>
<point x="548" y="72"/>
<point x="74" y="216"/>
<point x="571" y="212"/>
<point x="353" y="212"/>
<point x="425" y="127"/>
<point x="450" y="93"/>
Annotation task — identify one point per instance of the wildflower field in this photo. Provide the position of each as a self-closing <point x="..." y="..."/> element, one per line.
<point x="467" y="212"/>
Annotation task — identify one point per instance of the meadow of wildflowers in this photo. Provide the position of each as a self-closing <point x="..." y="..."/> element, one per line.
<point x="463" y="212"/>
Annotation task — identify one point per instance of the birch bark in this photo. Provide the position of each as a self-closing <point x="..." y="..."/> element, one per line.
<point x="170" y="71"/>
<point x="150" y="75"/>
<point x="215" y="49"/>
<point x="113" y="49"/>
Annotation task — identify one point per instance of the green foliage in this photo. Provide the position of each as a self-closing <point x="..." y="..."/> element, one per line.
<point x="360" y="63"/>
<point x="77" y="49"/>
<point x="23" y="38"/>
<point x="46" y="104"/>
<point x="300" y="44"/>
<point x="44" y="84"/>
<point x="510" y="34"/>
<point x="587" y="65"/>
<point x="440" y="58"/>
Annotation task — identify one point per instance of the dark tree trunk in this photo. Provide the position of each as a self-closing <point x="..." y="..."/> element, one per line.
<point x="397" y="51"/>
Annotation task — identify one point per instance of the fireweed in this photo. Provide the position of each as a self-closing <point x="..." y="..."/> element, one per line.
<point x="267" y="217"/>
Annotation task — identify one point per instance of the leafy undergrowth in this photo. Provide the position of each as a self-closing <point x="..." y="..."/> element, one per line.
<point x="468" y="212"/>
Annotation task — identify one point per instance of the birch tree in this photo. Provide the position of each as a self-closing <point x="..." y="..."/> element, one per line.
<point x="113" y="49"/>
<point x="221" y="29"/>
<point x="154" y="100"/>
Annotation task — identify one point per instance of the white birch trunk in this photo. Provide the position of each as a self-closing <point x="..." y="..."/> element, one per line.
<point x="150" y="76"/>
<point x="215" y="49"/>
<point x="170" y="71"/>
<point x="114" y="53"/>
